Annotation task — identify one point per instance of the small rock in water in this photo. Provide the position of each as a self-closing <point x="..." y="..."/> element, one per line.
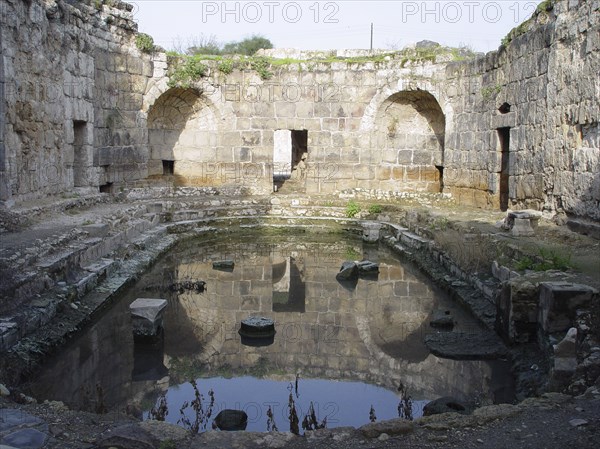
<point x="442" y="319"/>
<point x="578" y="422"/>
<point x="348" y="271"/>
<point x="74" y="306"/>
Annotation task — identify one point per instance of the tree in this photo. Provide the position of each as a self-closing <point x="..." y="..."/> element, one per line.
<point x="248" y="46"/>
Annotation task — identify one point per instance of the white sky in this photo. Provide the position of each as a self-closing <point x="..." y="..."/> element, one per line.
<point x="314" y="25"/>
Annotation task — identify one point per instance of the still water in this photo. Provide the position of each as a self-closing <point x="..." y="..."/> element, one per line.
<point x="352" y="351"/>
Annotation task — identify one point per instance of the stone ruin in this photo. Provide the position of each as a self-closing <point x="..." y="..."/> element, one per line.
<point x="84" y="110"/>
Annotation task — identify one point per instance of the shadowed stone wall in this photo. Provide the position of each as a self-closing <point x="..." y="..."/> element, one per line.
<point x="72" y="89"/>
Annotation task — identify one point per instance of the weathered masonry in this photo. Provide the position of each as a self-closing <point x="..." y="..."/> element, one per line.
<point x="83" y="110"/>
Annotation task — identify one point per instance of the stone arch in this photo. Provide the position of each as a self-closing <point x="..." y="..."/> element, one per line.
<point x="183" y="132"/>
<point x="410" y="131"/>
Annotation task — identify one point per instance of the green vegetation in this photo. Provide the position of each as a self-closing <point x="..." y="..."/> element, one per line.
<point x="241" y="56"/>
<point x="226" y="66"/>
<point x="167" y="444"/>
<point x="261" y="65"/>
<point x="352" y="254"/>
<point x="185" y="71"/>
<point x="490" y="91"/>
<point x="548" y="259"/>
<point x="144" y="42"/>
<point x="352" y="208"/>
<point x="439" y="224"/>
<point x="543" y="8"/>
<point x="375" y="209"/>
<point x="246" y="47"/>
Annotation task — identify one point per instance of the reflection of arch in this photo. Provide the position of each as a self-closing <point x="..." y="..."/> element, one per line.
<point x="410" y="129"/>
<point x="183" y="129"/>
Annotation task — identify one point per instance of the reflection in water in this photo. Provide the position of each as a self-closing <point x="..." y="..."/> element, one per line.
<point x="370" y="338"/>
<point x="289" y="291"/>
<point x="271" y="403"/>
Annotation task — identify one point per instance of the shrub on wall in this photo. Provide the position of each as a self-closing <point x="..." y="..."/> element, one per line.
<point x="144" y="42"/>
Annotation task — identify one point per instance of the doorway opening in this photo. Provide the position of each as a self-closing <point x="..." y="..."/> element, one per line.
<point x="504" y="148"/>
<point x="290" y="151"/>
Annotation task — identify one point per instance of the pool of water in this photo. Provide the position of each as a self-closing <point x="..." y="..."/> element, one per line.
<point x="347" y="349"/>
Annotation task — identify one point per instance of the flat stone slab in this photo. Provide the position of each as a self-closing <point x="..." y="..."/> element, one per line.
<point x="25" y="439"/>
<point x="462" y="346"/>
<point x="348" y="271"/>
<point x="147" y="308"/>
<point x="131" y="436"/>
<point x="223" y="265"/>
<point x="367" y="267"/>
<point x="21" y="430"/>
<point x="12" y="418"/>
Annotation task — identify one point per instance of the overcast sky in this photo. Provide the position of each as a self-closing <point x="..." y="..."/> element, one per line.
<point x="313" y="25"/>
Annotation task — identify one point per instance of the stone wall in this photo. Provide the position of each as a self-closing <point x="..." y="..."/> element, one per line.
<point x="72" y="88"/>
<point x="547" y="81"/>
<point x="367" y="126"/>
<point x="515" y="128"/>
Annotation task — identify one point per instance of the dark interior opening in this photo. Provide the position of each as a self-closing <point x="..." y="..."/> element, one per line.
<point x="299" y="147"/>
<point x="168" y="167"/>
<point x="79" y="152"/>
<point x="504" y="108"/>
<point x="504" y="148"/>
<point x="106" y="188"/>
<point x="441" y="170"/>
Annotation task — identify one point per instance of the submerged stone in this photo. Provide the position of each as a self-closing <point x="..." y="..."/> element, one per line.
<point x="463" y="346"/>
<point x="445" y="405"/>
<point x="223" y="265"/>
<point x="442" y="320"/>
<point x="180" y="287"/>
<point x="231" y="420"/>
<point x="367" y="267"/>
<point x="257" y="327"/>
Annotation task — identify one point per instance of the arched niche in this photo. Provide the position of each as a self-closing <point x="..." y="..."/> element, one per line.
<point x="410" y="134"/>
<point x="182" y="136"/>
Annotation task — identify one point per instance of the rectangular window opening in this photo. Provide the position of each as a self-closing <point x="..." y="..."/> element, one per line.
<point x="168" y="167"/>
<point x="80" y="157"/>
